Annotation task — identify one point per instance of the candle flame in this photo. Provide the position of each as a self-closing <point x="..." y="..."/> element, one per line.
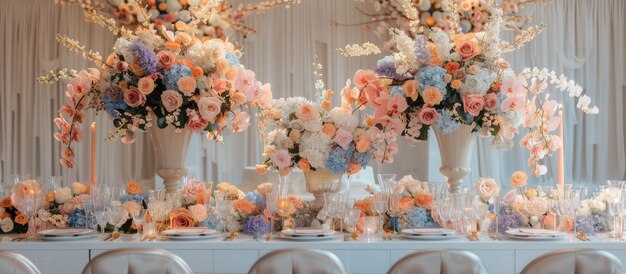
<point x="93" y="125"/>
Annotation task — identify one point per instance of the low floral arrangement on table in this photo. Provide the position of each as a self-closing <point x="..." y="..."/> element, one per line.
<point x="155" y="77"/>
<point x="175" y="14"/>
<point x="416" y="206"/>
<point x="445" y="79"/>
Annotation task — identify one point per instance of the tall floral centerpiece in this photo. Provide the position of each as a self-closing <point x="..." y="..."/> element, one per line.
<point x="323" y="142"/>
<point x="168" y="83"/>
<point x="459" y="85"/>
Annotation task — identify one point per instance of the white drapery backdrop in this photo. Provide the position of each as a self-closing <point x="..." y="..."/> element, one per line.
<point x="584" y="39"/>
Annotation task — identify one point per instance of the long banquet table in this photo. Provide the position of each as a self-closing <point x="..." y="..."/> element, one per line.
<point x="217" y="256"/>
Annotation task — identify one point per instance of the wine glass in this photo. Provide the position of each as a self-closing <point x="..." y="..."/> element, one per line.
<point x="352" y="217"/>
<point x="387" y="182"/>
<point x="224" y="207"/>
<point x="342" y="206"/>
<point x="102" y="217"/>
<point x="395" y="208"/>
<point x="138" y="218"/>
<point x="116" y="216"/>
<point x="380" y="207"/>
<point x="272" y="207"/>
<point x="207" y="201"/>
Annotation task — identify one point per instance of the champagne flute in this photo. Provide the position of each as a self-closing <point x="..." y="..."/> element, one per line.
<point x="380" y="207"/>
<point x="138" y="218"/>
<point x="395" y="209"/>
<point x="272" y="206"/>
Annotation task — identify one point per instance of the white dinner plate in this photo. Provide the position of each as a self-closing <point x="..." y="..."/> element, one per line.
<point x="535" y="234"/>
<point x="333" y="236"/>
<point x="308" y="232"/>
<point x="65" y="232"/>
<point x="70" y="238"/>
<point x="427" y="231"/>
<point x="434" y="237"/>
<point x="184" y="232"/>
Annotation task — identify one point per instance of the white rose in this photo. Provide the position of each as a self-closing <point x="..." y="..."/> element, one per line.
<point x="296" y="124"/>
<point x="78" y="188"/>
<point x="6" y="225"/>
<point x="62" y="195"/>
<point x="486" y="188"/>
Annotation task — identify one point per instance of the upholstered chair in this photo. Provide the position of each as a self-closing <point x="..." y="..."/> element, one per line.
<point x="298" y="261"/>
<point x="439" y="261"/>
<point x="575" y="261"/>
<point x="15" y="263"/>
<point x="137" y="261"/>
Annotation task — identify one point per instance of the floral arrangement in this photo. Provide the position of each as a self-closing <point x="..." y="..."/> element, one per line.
<point x="175" y="14"/>
<point x="443" y="79"/>
<point x="300" y="133"/>
<point x="155" y="77"/>
<point x="473" y="15"/>
<point x="592" y="216"/>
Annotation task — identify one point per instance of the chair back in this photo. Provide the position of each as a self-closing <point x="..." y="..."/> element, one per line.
<point x="15" y="263"/>
<point x="298" y="261"/>
<point x="439" y="261"/>
<point x="137" y="261"/>
<point x="575" y="261"/>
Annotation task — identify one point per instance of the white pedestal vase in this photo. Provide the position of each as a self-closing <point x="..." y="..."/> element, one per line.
<point x="170" y="149"/>
<point x="455" y="149"/>
<point x="319" y="182"/>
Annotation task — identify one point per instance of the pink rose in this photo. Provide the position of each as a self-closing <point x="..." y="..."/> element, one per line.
<point x="486" y="188"/>
<point x="491" y="101"/>
<point x="428" y="116"/>
<point x="171" y="100"/>
<point x="467" y="49"/>
<point x="343" y="138"/>
<point x="264" y="188"/>
<point x="473" y="104"/>
<point x="166" y="59"/>
<point x="459" y="74"/>
<point x="121" y="66"/>
<point x="146" y="85"/>
<point x="198" y="212"/>
<point x="209" y="107"/>
<point x="281" y="158"/>
<point x="509" y="198"/>
<point x="196" y="124"/>
<point x="194" y="191"/>
<point x="134" y="98"/>
<point x="307" y="113"/>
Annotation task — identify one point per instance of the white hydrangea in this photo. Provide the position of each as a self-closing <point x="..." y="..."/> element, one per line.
<point x="314" y="147"/>
<point x="343" y="119"/>
<point x="313" y="126"/>
<point x="479" y="82"/>
<point x="195" y="52"/>
<point x="289" y="105"/>
<point x="122" y="47"/>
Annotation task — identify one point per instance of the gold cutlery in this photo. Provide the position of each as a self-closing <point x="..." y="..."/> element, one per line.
<point x="582" y="236"/>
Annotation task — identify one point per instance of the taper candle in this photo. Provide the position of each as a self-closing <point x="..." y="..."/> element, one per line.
<point x="93" y="153"/>
<point x="561" y="165"/>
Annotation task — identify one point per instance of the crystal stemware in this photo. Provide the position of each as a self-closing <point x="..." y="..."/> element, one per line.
<point x="272" y="207"/>
<point x="102" y="217"/>
<point x="116" y="216"/>
<point x="394" y="209"/>
<point x="352" y="217"/>
<point x="138" y="218"/>
<point x="387" y="182"/>
<point x="380" y="207"/>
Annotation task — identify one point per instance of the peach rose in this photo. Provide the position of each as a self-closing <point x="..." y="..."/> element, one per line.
<point x="467" y="49"/>
<point x="284" y="171"/>
<point x="197" y="72"/>
<point x="329" y="129"/>
<point x="6" y="202"/>
<point x="181" y="218"/>
<point x="518" y="179"/>
<point x="491" y="101"/>
<point x="134" y="98"/>
<point x="473" y="104"/>
<point x="406" y="203"/>
<point x="198" y="212"/>
<point x="304" y="165"/>
<point x="145" y="85"/>
<point x="261" y="169"/>
<point x="264" y="188"/>
<point x="209" y="107"/>
<point x="363" y="145"/>
<point x="424" y="200"/>
<point x="432" y="96"/>
<point x="487" y="188"/>
<point x="187" y="85"/>
<point x="3" y="214"/>
<point x="166" y="59"/>
<point x="326" y="105"/>
<point x="451" y="67"/>
<point x="171" y="100"/>
<point x="246" y="207"/>
<point x="239" y="98"/>
<point x="133" y="188"/>
<point x="411" y="89"/>
<point x="456" y="84"/>
<point x="353" y="169"/>
<point x="21" y="219"/>
<point x="428" y="116"/>
<point x="49" y="197"/>
<point x="294" y="135"/>
<point x="307" y="112"/>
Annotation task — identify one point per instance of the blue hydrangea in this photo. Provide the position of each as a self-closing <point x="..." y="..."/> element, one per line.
<point x="506" y="221"/>
<point x="76" y="218"/>
<point x="602" y="221"/>
<point x="419" y="217"/>
<point x="338" y="160"/>
<point x="256" y="225"/>
<point x="396" y="90"/>
<point x="232" y="59"/>
<point x="386" y="67"/>
<point x="256" y="199"/>
<point x="172" y="75"/>
<point x="113" y="99"/>
<point x="432" y="76"/>
<point x="421" y="50"/>
<point x="136" y="198"/>
<point x="447" y="122"/>
<point x="362" y="158"/>
<point x="145" y="57"/>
